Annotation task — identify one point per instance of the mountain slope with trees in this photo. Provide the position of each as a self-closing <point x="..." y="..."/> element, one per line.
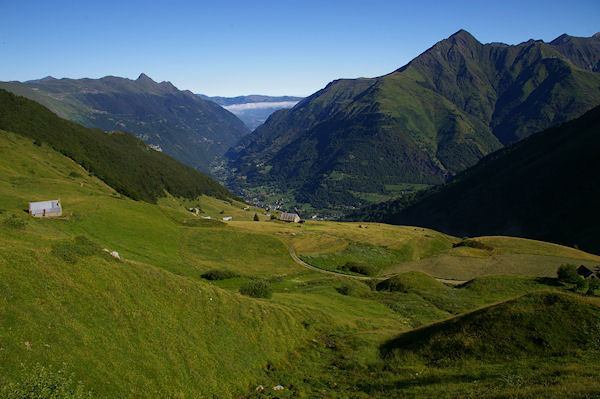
<point x="544" y="187"/>
<point x="449" y="107"/>
<point x="119" y="159"/>
<point x="181" y="124"/>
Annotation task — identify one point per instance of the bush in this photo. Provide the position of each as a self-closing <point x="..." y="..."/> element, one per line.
<point x="256" y="219"/>
<point x="582" y="285"/>
<point x="257" y="289"/>
<point x="345" y="289"/>
<point x="75" y="175"/>
<point x="593" y="287"/>
<point x="473" y="244"/>
<point x="360" y="268"/>
<point x="273" y="217"/>
<point x="222" y="274"/>
<point x="71" y="250"/>
<point x="14" y="222"/>
<point x="45" y="383"/>
<point x="568" y="274"/>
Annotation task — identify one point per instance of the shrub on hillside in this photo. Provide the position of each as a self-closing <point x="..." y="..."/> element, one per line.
<point x="568" y="274"/>
<point x="345" y="289"/>
<point x="593" y="287"/>
<point x="219" y="274"/>
<point x="581" y="285"/>
<point x="360" y="268"/>
<point x="256" y="219"/>
<point x="473" y="244"/>
<point x="42" y="382"/>
<point x="14" y="222"/>
<point x="257" y="289"/>
<point x="72" y="250"/>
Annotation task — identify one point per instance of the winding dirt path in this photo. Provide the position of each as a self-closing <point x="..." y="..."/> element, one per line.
<point x="306" y="265"/>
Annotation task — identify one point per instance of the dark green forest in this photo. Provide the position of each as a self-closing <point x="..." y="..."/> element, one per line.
<point x="121" y="160"/>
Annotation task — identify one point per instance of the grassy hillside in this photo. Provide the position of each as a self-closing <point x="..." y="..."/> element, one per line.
<point x="356" y="141"/>
<point x="150" y="325"/>
<point x="122" y="161"/>
<point x="481" y="334"/>
<point x="543" y="187"/>
<point x="472" y="355"/>
<point x="185" y="126"/>
<point x="137" y="327"/>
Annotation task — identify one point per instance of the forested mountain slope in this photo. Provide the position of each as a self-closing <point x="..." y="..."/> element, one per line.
<point x="181" y="124"/>
<point x="452" y="105"/>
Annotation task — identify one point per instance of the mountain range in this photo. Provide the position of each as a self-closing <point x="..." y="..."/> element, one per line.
<point x="192" y="130"/>
<point x="121" y="160"/>
<point x="543" y="187"/>
<point x="254" y="109"/>
<point x="362" y="139"/>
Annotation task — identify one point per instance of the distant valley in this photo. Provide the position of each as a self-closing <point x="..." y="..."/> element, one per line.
<point x="154" y="280"/>
<point x="359" y="141"/>
<point x="254" y="110"/>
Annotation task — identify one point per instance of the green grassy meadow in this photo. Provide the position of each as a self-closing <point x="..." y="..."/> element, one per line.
<point x="148" y="325"/>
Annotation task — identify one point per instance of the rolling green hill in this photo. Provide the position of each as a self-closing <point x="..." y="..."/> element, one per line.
<point x="183" y="125"/>
<point x="357" y="140"/>
<point x="119" y="159"/>
<point x="483" y="335"/>
<point x="543" y="187"/>
<point x="151" y="324"/>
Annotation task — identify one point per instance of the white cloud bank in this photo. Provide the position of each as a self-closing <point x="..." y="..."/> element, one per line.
<point x="262" y="105"/>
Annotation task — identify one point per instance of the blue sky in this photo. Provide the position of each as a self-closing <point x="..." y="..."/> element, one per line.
<point x="281" y="47"/>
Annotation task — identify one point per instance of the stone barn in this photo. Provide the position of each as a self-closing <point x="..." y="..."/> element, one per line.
<point x="290" y="217"/>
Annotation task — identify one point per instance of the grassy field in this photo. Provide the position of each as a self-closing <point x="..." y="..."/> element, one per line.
<point x="149" y="325"/>
<point x="396" y="249"/>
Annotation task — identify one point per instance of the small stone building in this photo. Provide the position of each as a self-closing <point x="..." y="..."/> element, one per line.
<point x="290" y="217"/>
<point x="45" y="208"/>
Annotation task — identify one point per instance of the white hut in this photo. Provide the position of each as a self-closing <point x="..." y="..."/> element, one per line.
<point x="45" y="208"/>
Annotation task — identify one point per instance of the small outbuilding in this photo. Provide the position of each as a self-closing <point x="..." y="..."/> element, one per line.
<point x="290" y="217"/>
<point x="45" y="208"/>
<point x="586" y="272"/>
<point x="227" y="218"/>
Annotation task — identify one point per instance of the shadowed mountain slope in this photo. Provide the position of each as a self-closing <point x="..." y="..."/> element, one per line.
<point x="544" y="187"/>
<point x="449" y="107"/>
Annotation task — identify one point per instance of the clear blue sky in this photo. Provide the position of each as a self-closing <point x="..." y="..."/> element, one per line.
<point x="268" y="47"/>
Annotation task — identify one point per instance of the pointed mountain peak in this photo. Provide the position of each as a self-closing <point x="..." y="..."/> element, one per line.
<point x="462" y="37"/>
<point x="461" y="33"/>
<point x="596" y="36"/>
<point x="561" y="39"/>
<point x="144" y="78"/>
